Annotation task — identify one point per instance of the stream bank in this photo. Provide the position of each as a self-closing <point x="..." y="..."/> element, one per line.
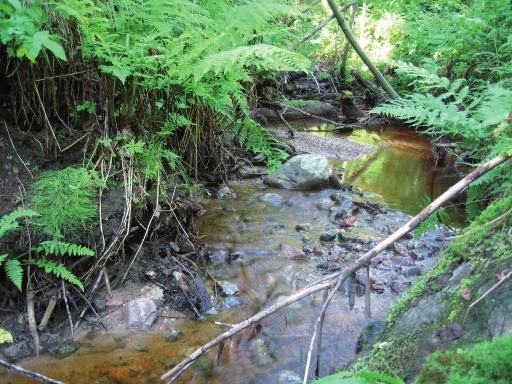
<point x="265" y="244"/>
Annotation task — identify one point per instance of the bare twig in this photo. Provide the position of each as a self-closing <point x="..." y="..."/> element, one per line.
<point x="367" y="288"/>
<point x="67" y="310"/>
<point x="489" y="291"/>
<point x="29" y="373"/>
<point x="15" y="151"/>
<point x="336" y="279"/>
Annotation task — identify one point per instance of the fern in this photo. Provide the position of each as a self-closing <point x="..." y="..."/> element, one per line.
<point x="14" y="272"/>
<point x="261" y="57"/>
<point x="58" y="270"/>
<point x="59" y="248"/>
<point x="9" y="223"/>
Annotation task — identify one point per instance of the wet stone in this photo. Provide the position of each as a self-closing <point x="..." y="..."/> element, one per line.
<point x="292" y="253"/>
<point x="289" y="377"/>
<point x="227" y="288"/>
<point x="226" y="193"/>
<point x="172" y="334"/>
<point x="303" y="227"/>
<point x="412" y="271"/>
<point x="273" y="199"/>
<point x="324" y="204"/>
<point x="60" y="351"/>
<point x="230" y="302"/>
<point x="329" y="233"/>
<point x="140" y="313"/>
<point x="141" y="348"/>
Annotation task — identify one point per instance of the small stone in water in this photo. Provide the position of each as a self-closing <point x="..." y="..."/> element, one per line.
<point x="289" y="377"/>
<point x="303" y="227"/>
<point x="227" y="288"/>
<point x="141" y="348"/>
<point x="172" y="335"/>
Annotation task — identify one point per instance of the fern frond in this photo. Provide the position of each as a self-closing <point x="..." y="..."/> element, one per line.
<point x="14" y="272"/>
<point x="60" y="248"/>
<point x="262" y="57"/>
<point x="58" y="270"/>
<point x="9" y="222"/>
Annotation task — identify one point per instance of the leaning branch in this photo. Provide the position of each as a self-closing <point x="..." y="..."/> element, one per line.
<point x="359" y="50"/>
<point x="334" y="280"/>
<point x="29" y="373"/>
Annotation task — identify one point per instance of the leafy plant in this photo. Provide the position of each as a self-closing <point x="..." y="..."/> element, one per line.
<point x="21" y="29"/>
<point x="14" y="267"/>
<point x="359" y="378"/>
<point x="65" y="200"/>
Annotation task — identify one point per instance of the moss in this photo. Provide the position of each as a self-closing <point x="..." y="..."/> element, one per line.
<point x="482" y="244"/>
<point x="489" y="362"/>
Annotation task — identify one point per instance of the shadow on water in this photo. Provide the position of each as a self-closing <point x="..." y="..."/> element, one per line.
<point x="400" y="174"/>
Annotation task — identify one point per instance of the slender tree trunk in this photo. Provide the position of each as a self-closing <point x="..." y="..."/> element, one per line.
<point x="359" y="50"/>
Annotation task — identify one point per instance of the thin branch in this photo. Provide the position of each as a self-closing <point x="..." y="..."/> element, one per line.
<point x="16" y="152"/>
<point x="29" y="373"/>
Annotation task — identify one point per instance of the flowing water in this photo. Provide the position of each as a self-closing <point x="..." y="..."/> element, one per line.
<point x="400" y="175"/>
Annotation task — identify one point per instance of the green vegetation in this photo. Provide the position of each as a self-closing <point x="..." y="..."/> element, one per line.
<point x="14" y="266"/>
<point x="489" y="362"/>
<point x="65" y="200"/>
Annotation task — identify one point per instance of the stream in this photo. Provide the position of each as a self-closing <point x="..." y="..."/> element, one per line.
<point x="244" y="237"/>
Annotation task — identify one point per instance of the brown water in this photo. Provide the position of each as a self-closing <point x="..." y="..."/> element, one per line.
<point x="399" y="174"/>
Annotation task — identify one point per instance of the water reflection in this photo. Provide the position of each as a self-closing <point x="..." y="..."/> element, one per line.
<point x="401" y="170"/>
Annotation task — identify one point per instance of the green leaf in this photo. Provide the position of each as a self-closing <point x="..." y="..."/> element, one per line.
<point x="14" y="272"/>
<point x="2" y="258"/>
<point x="5" y="336"/>
<point x="55" y="48"/>
<point x="120" y="72"/>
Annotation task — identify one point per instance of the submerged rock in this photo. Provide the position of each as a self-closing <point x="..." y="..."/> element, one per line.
<point x="140" y="313"/>
<point x="227" y="288"/>
<point x="303" y="227"/>
<point x="273" y="199"/>
<point x="292" y="253"/>
<point x="289" y="377"/>
<point x="226" y="193"/>
<point x="301" y="172"/>
<point x="62" y="350"/>
<point x="172" y="335"/>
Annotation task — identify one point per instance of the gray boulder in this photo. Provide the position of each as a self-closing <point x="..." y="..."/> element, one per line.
<point x="301" y="172"/>
<point x="140" y="313"/>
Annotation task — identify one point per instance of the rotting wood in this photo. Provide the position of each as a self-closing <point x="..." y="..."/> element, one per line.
<point x="32" y="325"/>
<point x="29" y="373"/>
<point x="47" y="313"/>
<point x="336" y="279"/>
<point x="359" y="50"/>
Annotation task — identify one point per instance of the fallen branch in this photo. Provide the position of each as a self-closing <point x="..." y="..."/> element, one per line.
<point x="29" y="373"/>
<point x="336" y="279"/>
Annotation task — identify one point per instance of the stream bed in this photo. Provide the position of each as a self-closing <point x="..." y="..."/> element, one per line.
<point x="245" y="238"/>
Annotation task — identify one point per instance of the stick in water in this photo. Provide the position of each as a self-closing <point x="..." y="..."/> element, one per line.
<point x="29" y="373"/>
<point x="335" y="279"/>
